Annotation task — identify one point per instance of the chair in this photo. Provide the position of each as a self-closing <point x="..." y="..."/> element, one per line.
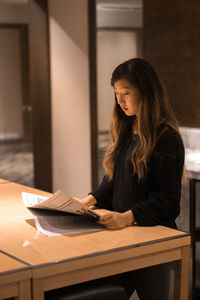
<point x="89" y="291"/>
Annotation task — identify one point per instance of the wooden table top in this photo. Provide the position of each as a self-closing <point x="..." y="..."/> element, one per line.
<point x="3" y="180"/>
<point x="12" y="270"/>
<point x="9" y="264"/>
<point x="20" y="238"/>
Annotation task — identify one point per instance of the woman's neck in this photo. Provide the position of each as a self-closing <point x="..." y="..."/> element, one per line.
<point x="135" y="127"/>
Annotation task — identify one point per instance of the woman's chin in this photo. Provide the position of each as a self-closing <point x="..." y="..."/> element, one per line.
<point x="129" y="114"/>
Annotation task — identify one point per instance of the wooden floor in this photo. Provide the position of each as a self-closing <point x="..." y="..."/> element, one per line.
<point x="17" y="162"/>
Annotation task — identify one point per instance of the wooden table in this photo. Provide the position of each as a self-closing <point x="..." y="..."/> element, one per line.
<point x="3" y="181"/>
<point x="15" y="278"/>
<point x="66" y="260"/>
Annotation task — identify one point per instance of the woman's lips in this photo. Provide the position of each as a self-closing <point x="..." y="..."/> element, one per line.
<point x="124" y="108"/>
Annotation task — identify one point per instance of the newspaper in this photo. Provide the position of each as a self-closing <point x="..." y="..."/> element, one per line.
<point x="60" y="214"/>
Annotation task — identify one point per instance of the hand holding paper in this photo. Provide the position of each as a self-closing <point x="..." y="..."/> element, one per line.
<point x="59" y="201"/>
<point x="60" y="214"/>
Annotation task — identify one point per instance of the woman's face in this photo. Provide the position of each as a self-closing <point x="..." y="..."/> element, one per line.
<point x="128" y="97"/>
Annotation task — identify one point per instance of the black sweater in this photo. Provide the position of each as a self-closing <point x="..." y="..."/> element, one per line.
<point x="155" y="200"/>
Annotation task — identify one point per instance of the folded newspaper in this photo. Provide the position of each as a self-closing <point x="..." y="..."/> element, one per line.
<point x="60" y="214"/>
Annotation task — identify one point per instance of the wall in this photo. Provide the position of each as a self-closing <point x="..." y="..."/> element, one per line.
<point x="70" y="96"/>
<point x="10" y="85"/>
<point x="117" y="18"/>
<point x="172" y="44"/>
<point x="14" y="13"/>
<point x="119" y="37"/>
<point x="113" y="47"/>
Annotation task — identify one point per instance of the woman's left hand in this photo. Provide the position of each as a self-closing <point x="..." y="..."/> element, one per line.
<point x="116" y="220"/>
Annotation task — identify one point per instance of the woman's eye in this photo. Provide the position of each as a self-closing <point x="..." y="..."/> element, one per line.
<point x="126" y="94"/>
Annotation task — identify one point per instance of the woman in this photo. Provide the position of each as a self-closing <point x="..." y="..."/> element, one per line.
<point x="143" y="164"/>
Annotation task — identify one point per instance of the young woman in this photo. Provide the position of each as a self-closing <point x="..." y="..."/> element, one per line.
<point x="143" y="165"/>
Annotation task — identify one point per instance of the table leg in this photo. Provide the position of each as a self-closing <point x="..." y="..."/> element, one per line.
<point x="177" y="280"/>
<point x="37" y="289"/>
<point x="184" y="272"/>
<point x="25" y="290"/>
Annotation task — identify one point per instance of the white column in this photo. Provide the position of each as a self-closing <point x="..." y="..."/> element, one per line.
<point x="70" y="96"/>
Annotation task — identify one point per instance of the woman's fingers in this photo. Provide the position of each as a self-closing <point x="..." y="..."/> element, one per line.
<point x="112" y="220"/>
<point x="108" y="224"/>
<point x="109" y="220"/>
<point x="106" y="220"/>
<point x="106" y="216"/>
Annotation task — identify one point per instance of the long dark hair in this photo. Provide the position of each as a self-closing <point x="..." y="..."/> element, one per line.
<point x="154" y="109"/>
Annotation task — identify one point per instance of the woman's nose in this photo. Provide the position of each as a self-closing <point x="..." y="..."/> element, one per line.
<point x="120" y="99"/>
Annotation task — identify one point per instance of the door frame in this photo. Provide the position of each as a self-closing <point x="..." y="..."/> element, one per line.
<point x="40" y="92"/>
<point x="93" y="90"/>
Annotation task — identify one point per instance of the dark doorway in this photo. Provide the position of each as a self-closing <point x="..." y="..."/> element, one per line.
<point x="25" y="108"/>
<point x="15" y="108"/>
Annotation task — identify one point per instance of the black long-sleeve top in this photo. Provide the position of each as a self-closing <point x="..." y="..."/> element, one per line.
<point x="156" y="199"/>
